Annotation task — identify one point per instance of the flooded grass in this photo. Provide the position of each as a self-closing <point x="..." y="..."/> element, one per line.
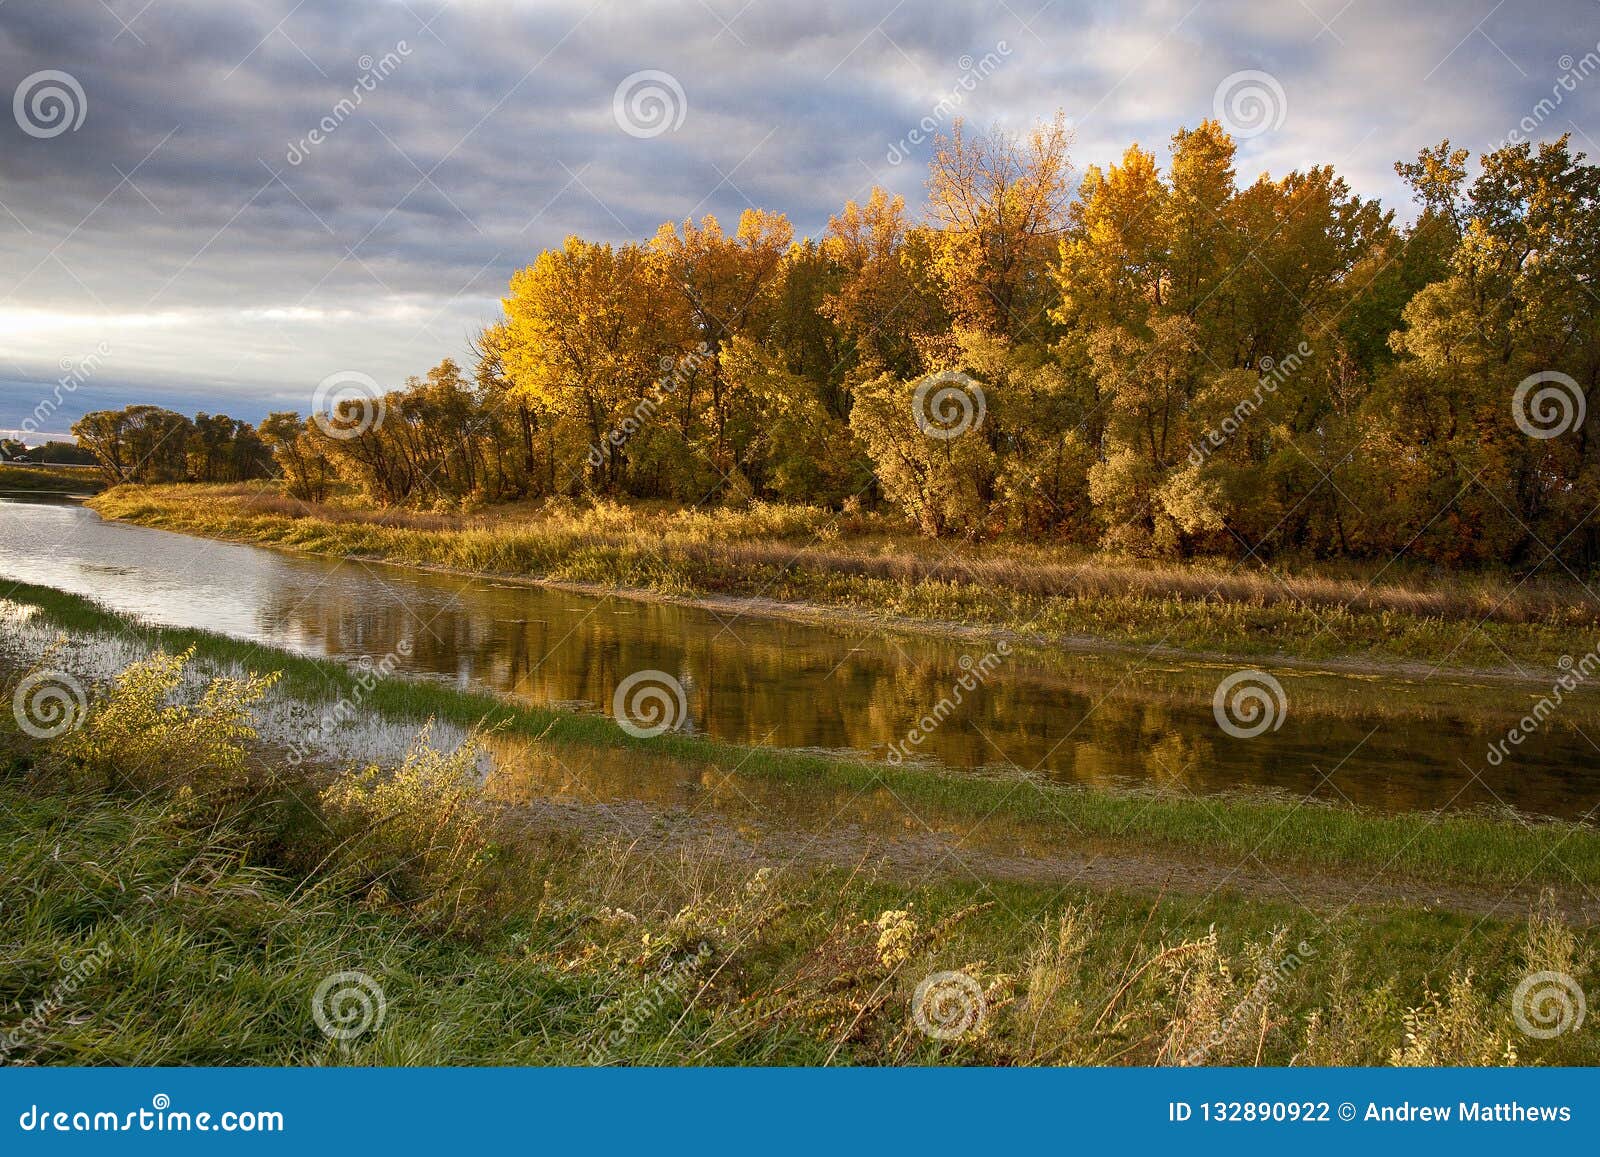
<point x="1462" y="848"/>
<point x="47" y="480"/>
<point x="193" y="916"/>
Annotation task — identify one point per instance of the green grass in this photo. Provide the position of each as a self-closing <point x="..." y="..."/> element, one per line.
<point x="50" y="479"/>
<point x="191" y="947"/>
<point x="196" y="924"/>
<point x="1454" y="848"/>
<point x="1362" y="615"/>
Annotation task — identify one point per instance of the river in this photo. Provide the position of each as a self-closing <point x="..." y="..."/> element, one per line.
<point x="1107" y="720"/>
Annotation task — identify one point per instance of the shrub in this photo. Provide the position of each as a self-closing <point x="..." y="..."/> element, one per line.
<point x="136" y="737"/>
<point x="415" y="834"/>
<point x="1455" y="1027"/>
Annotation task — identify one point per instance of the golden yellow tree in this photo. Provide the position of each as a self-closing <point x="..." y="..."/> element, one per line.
<point x="725" y="285"/>
<point x="586" y="328"/>
<point x="999" y="203"/>
<point x="1114" y="262"/>
<point x="887" y="300"/>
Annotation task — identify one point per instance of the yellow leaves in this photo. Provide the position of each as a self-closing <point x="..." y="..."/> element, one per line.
<point x="1113" y="262"/>
<point x="861" y="234"/>
<point x="1453" y="1028"/>
<point x="997" y="202"/>
<point x="937" y="482"/>
<point x="1193" y="501"/>
<point x="138" y="735"/>
<point x="583" y="328"/>
<point x="897" y="937"/>
<point x="723" y="280"/>
<point x="1202" y="162"/>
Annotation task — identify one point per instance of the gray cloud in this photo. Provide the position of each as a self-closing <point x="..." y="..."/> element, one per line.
<point x="173" y="227"/>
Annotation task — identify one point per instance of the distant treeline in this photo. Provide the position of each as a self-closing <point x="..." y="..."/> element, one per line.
<point x="1164" y="361"/>
<point x="144" y="444"/>
<point x="48" y="454"/>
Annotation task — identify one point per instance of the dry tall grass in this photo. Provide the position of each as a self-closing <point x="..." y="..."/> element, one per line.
<point x="701" y="957"/>
<point x="766" y="539"/>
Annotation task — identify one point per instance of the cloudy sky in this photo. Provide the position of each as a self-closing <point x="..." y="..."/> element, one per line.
<point x="217" y="205"/>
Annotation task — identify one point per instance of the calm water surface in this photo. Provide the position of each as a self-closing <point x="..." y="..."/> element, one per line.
<point x="1087" y="719"/>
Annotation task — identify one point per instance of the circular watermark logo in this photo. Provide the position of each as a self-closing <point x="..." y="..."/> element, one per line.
<point x="1548" y="404"/>
<point x="649" y="703"/>
<point x="1548" y="1004"/>
<point x="347" y="404"/>
<point x="649" y="103"/>
<point x="1249" y="103"/>
<point x="348" y="1004"/>
<point x="946" y="405"/>
<point x="47" y="704"/>
<point x="948" y="1005"/>
<point x="1249" y="703"/>
<point x="48" y="103"/>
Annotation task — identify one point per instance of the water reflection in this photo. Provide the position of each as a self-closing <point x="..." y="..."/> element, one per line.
<point x="1072" y="717"/>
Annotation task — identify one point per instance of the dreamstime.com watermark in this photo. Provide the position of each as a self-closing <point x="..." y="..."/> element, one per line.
<point x="675" y="371"/>
<point x="373" y="72"/>
<point x="975" y="673"/>
<point x="650" y="703"/>
<point x="1547" y="1004"/>
<point x="949" y="1006"/>
<point x="48" y="103"/>
<point x="1273" y="375"/>
<point x="648" y="103"/>
<point x="666" y="984"/>
<point x="75" y="973"/>
<point x="1255" y="1000"/>
<point x="1548" y="404"/>
<point x="1573" y="675"/>
<point x="367" y="673"/>
<point x="347" y="404"/>
<point x="49" y="703"/>
<point x="1249" y="103"/>
<point x="74" y="373"/>
<point x="948" y="105"/>
<point x="160" y="1117"/>
<point x="948" y="404"/>
<point x="1573" y="72"/>
<point x="1249" y="703"/>
<point x="347" y="1005"/>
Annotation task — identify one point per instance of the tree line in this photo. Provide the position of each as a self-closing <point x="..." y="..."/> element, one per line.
<point x="52" y="453"/>
<point x="1163" y="361"/>
<point x="148" y="444"/>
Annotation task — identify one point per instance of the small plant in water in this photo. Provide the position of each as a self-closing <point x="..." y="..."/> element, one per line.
<point x="140" y="735"/>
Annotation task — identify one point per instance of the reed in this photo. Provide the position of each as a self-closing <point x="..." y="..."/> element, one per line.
<point x="142" y="932"/>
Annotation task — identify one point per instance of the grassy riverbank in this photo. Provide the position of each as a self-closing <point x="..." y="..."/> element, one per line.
<point x="1372" y="617"/>
<point x="42" y="479"/>
<point x="174" y="905"/>
<point x="1286" y="834"/>
<point x="149" y="932"/>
